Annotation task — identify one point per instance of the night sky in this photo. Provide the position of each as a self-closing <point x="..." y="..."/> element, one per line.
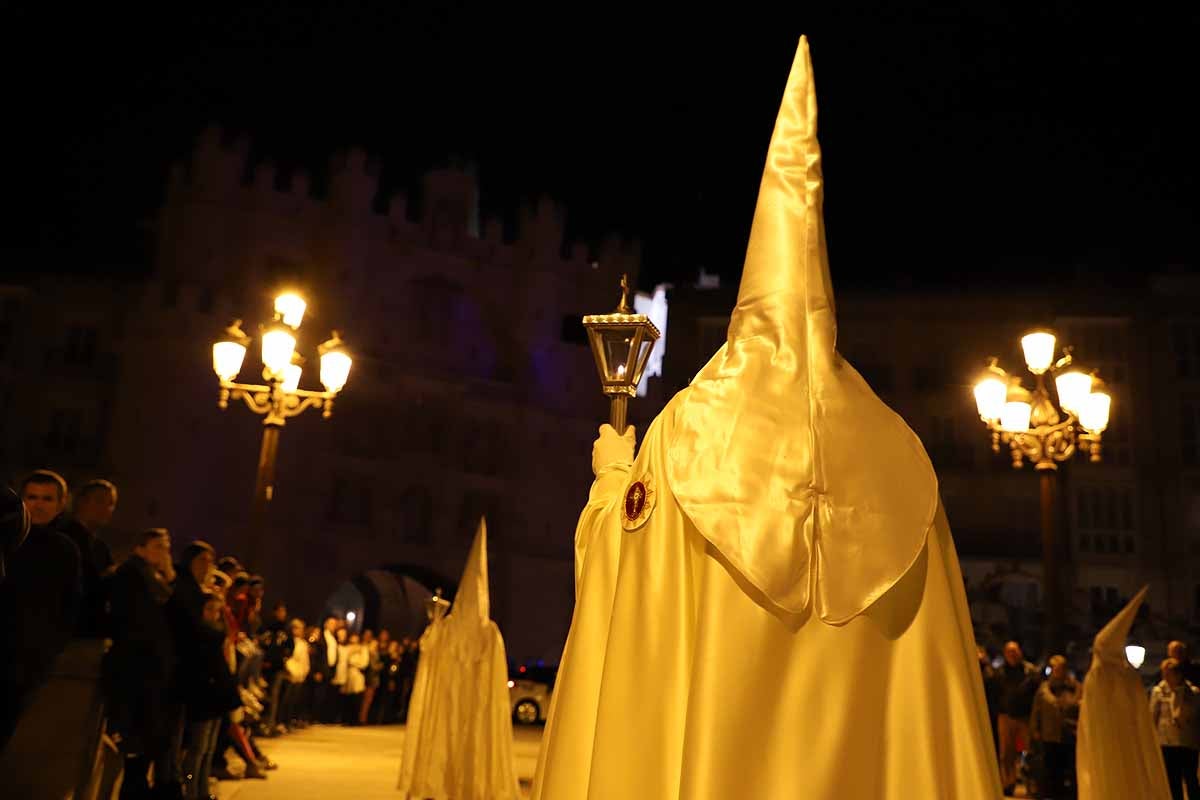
<point x="958" y="144"/>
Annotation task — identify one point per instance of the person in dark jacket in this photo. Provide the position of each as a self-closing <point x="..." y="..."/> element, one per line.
<point x="276" y="643"/>
<point x="1016" y="683"/>
<point x="39" y="598"/>
<point x="141" y="663"/>
<point x="94" y="504"/>
<point x="14" y="527"/>
<point x="209" y="692"/>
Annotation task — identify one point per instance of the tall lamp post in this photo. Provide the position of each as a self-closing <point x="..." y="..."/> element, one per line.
<point x="1044" y="433"/>
<point x="621" y="344"/>
<point x="280" y="398"/>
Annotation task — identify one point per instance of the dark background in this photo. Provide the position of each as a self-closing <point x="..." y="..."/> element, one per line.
<point x="961" y="146"/>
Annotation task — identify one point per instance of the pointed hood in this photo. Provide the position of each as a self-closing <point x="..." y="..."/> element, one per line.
<point x="1109" y="644"/>
<point x="783" y="457"/>
<point x="471" y="601"/>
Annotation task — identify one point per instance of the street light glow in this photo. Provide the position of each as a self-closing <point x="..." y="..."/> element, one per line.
<point x="1015" y="416"/>
<point x="278" y="344"/>
<point x="227" y="359"/>
<point x="335" y="369"/>
<point x="291" y="377"/>
<point x="290" y="308"/>
<point x="1041" y="432"/>
<point x="1136" y="654"/>
<point x="1039" y="351"/>
<point x="1073" y="388"/>
<point x="1094" y="414"/>
<point x="990" y="394"/>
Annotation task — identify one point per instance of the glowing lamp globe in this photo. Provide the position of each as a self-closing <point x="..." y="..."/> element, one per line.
<point x="1093" y="416"/>
<point x="290" y="308"/>
<point x="227" y="359"/>
<point x="278" y="345"/>
<point x="335" y="363"/>
<point x="991" y="392"/>
<point x="291" y="377"/>
<point x="230" y="352"/>
<point x="1136" y="655"/>
<point x="989" y="398"/>
<point x="1074" y="386"/>
<point x="1015" y="416"/>
<point x="1039" y="351"/>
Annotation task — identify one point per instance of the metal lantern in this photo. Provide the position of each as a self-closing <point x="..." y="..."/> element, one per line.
<point x="621" y="344"/>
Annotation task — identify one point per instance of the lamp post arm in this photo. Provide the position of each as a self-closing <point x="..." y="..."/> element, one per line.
<point x="272" y="401"/>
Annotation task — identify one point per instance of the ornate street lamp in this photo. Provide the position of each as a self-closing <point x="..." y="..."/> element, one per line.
<point x="1037" y="430"/>
<point x="281" y="398"/>
<point x="621" y="344"/>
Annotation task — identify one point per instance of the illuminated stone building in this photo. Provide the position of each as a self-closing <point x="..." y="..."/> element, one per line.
<point x="473" y="390"/>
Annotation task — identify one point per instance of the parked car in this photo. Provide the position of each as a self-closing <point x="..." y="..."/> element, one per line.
<point x="530" y="689"/>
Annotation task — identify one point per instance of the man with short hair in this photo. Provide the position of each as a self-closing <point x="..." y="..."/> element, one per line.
<point x="39" y="598"/>
<point x="1017" y="683"/>
<point x="141" y="662"/>
<point x="94" y="504"/>
<point x="1053" y="723"/>
<point x="1179" y="651"/>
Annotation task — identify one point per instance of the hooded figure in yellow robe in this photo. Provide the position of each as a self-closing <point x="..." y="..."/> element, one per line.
<point x="768" y="600"/>
<point x="1117" y="753"/>
<point x="458" y="739"/>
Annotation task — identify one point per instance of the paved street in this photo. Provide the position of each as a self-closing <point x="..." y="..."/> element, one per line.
<point x="329" y="761"/>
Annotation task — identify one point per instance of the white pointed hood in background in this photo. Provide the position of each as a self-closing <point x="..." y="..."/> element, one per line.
<point x="458" y="738"/>
<point x="1110" y="642"/>
<point x="472" y="602"/>
<point x="1117" y="752"/>
<point x="783" y="457"/>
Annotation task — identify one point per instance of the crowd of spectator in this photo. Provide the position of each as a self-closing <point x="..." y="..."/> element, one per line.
<point x="1035" y="715"/>
<point x="191" y="672"/>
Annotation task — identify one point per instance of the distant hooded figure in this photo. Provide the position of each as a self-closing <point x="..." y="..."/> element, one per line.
<point x="458" y="740"/>
<point x="1117" y="754"/>
<point x="768" y="601"/>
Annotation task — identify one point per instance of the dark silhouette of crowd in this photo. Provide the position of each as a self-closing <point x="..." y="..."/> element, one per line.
<point x="190" y="671"/>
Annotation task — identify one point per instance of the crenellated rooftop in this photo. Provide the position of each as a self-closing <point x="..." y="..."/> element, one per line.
<point x="448" y="217"/>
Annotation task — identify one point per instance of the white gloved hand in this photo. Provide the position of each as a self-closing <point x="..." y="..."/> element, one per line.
<point x="613" y="448"/>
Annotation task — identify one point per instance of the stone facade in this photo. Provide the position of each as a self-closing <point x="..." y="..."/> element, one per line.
<point x="473" y="390"/>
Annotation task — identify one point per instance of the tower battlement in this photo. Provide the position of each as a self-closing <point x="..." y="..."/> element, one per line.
<point x="220" y="175"/>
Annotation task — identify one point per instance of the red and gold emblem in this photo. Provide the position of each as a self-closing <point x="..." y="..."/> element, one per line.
<point x="639" y="502"/>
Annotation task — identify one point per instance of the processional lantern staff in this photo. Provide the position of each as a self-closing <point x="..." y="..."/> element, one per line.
<point x="621" y="344"/>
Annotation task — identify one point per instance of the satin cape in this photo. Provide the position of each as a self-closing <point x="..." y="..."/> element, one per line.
<point x="458" y="738"/>
<point x="679" y="679"/>
<point x="1117" y="754"/>
<point x="768" y="601"/>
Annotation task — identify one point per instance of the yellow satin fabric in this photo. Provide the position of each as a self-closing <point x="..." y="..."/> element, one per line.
<point x="677" y="681"/>
<point x="784" y="459"/>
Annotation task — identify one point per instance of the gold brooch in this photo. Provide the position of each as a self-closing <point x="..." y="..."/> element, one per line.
<point x="639" y="502"/>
